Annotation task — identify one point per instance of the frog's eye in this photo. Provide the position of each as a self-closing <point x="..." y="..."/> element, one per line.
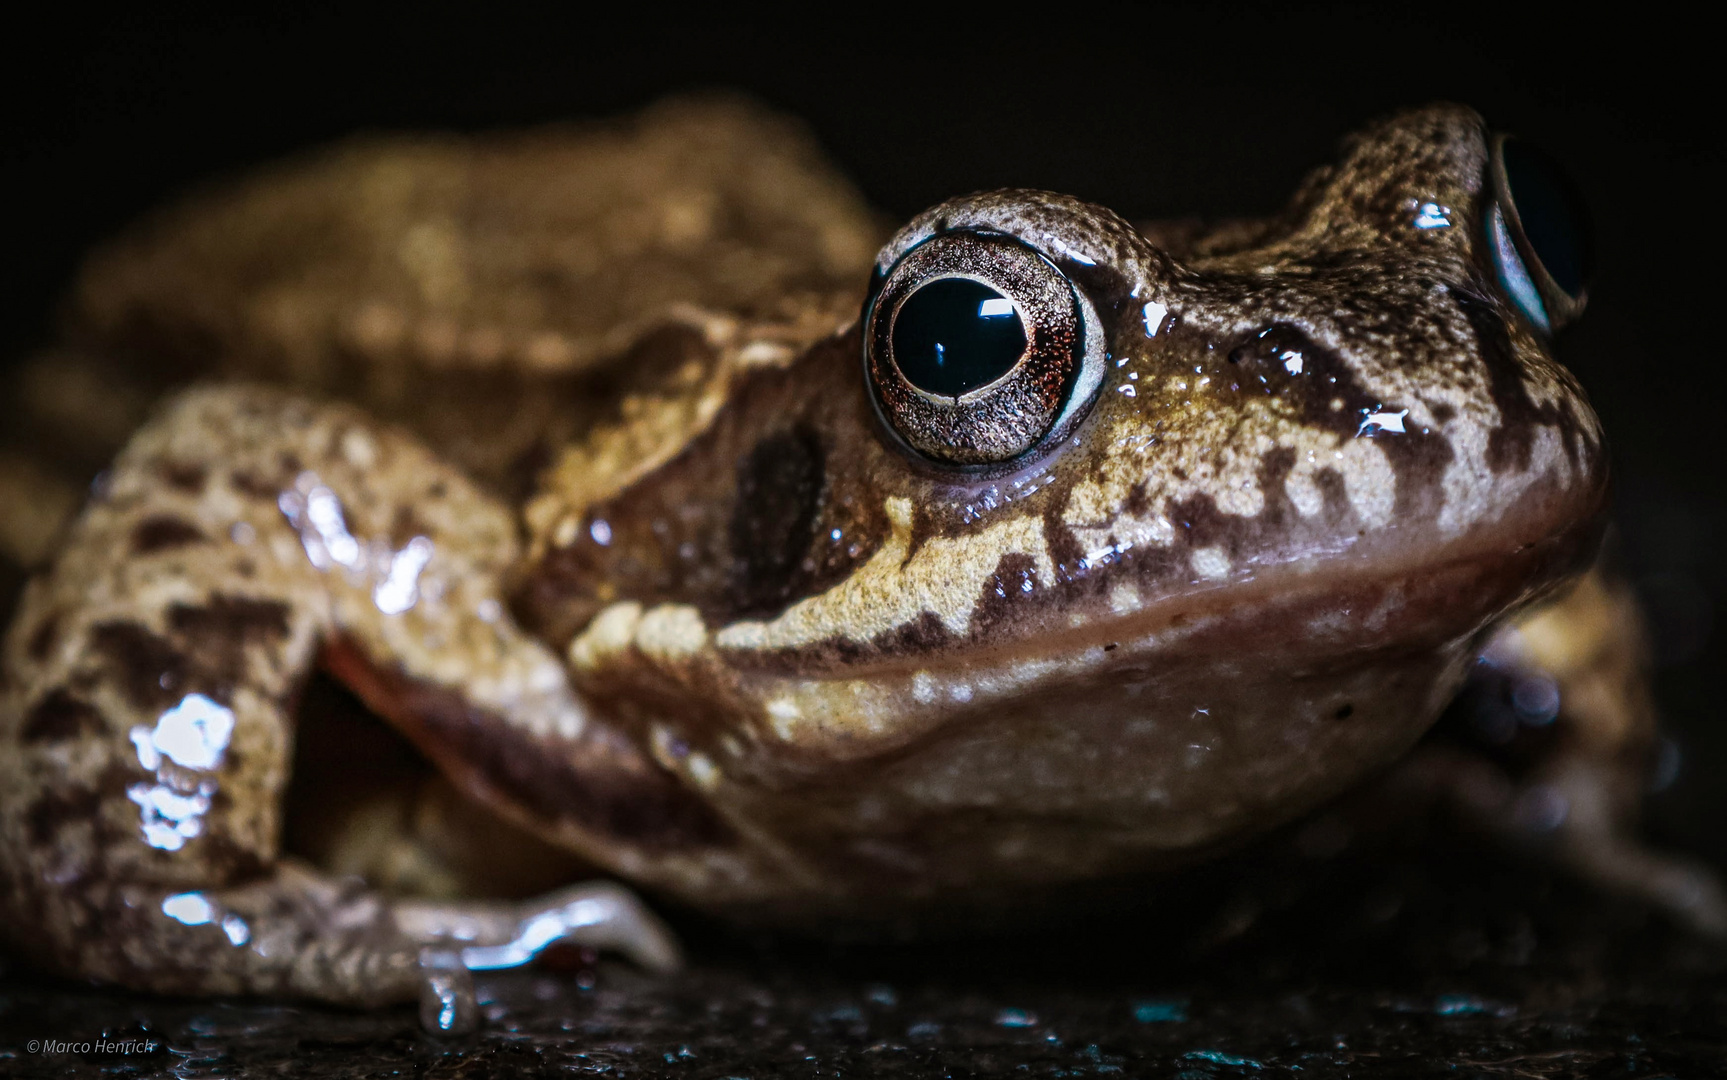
<point x="1537" y="235"/>
<point x="975" y="348"/>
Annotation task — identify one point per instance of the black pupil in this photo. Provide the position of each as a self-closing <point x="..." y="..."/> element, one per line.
<point x="1551" y="213"/>
<point x="954" y="335"/>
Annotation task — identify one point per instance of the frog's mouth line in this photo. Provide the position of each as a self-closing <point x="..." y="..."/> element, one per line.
<point x="1441" y="595"/>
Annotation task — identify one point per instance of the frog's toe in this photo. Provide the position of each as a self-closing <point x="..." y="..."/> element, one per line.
<point x="601" y="914"/>
<point x="448" y="1004"/>
<point x="469" y="936"/>
<point x="1684" y="890"/>
<point x="1690" y="894"/>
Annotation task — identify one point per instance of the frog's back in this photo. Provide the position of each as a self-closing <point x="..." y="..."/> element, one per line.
<point x="541" y="250"/>
<point x="466" y="285"/>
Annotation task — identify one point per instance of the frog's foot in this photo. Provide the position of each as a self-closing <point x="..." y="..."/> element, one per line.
<point x="599" y="914"/>
<point x="1547" y="750"/>
<point x="1550" y="744"/>
<point x="147" y="715"/>
<point x="295" y="932"/>
<point x="1596" y="843"/>
<point x="471" y="937"/>
<point x="1574" y="813"/>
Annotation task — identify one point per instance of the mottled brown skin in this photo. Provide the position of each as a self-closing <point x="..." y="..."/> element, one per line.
<point x="741" y="647"/>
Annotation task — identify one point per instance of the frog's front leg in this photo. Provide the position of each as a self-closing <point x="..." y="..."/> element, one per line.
<point x="149" y="685"/>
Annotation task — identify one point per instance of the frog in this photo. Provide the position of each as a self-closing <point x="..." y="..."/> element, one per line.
<point x="709" y="538"/>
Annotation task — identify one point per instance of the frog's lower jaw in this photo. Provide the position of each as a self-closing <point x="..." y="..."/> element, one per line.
<point x="955" y="787"/>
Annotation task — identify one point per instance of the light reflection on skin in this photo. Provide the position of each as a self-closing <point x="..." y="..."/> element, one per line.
<point x="191" y="737"/>
<point x="1154" y="313"/>
<point x="196" y="909"/>
<point x="538" y="932"/>
<point x="324" y="512"/>
<point x="400" y="588"/>
<point x="1383" y="421"/>
<point x="315" y="512"/>
<point x="1430" y="215"/>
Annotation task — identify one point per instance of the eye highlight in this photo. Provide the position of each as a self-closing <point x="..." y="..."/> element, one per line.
<point x="974" y="347"/>
<point x="1537" y="235"/>
<point x="955" y="335"/>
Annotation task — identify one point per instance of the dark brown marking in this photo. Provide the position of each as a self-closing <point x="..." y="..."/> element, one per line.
<point x="1262" y="364"/>
<point x="1334" y="492"/>
<point x="54" y="809"/>
<point x="779" y="496"/>
<point x="1345" y="711"/>
<point x="405" y="525"/>
<point x="924" y="634"/>
<point x="1107" y="287"/>
<point x="1509" y="445"/>
<point x="43" y="638"/>
<point x="522" y="472"/>
<point x="160" y="532"/>
<point x="153" y="672"/>
<point x="149" y="670"/>
<point x="60" y="717"/>
<point x="226" y="859"/>
<point x="680" y="534"/>
<point x="187" y="476"/>
<point x="1065" y="549"/>
<point x="251" y="484"/>
<point x="1014" y="580"/>
<point x="218" y="634"/>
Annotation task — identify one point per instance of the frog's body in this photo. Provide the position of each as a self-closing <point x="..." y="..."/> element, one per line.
<point x="745" y="645"/>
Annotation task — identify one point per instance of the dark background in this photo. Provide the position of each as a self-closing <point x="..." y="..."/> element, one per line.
<point x="1161" y="112"/>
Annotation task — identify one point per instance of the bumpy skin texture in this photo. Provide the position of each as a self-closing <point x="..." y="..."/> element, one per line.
<point x="753" y="654"/>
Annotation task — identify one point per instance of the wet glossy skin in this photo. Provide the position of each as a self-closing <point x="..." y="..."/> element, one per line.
<point x="1236" y="587"/>
<point x="753" y="652"/>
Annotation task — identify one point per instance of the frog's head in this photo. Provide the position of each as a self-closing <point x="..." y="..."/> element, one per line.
<point x="1259" y="487"/>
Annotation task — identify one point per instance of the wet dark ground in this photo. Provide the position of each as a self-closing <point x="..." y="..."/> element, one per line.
<point x="1456" y="966"/>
